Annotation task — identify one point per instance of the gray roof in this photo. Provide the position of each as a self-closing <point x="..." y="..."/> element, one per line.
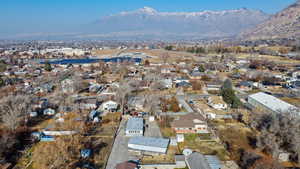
<point x="136" y="100"/>
<point x="135" y="124"/>
<point x="272" y="102"/>
<point x="150" y="141"/>
<point x="199" y="161"/>
<point x="213" y="161"/>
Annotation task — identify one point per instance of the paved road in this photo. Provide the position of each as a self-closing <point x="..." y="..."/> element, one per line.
<point x="187" y="107"/>
<point x="119" y="151"/>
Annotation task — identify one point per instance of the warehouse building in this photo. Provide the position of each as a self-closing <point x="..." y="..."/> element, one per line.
<point x="270" y="103"/>
<point x="149" y="145"/>
<point x="135" y="127"/>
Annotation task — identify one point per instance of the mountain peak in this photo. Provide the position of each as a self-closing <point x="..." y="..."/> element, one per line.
<point x="147" y="21"/>
<point x="147" y="9"/>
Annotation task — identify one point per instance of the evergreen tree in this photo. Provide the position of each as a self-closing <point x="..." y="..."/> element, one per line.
<point x="48" y="67"/>
<point x="228" y="94"/>
<point x="2" y="83"/>
<point x="201" y="68"/>
<point x="200" y="50"/>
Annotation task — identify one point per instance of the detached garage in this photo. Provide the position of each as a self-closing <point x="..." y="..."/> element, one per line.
<point x="149" y="144"/>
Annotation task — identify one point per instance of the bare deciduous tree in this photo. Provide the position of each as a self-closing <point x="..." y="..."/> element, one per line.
<point x="278" y="132"/>
<point x="78" y="83"/>
<point x="13" y="110"/>
<point x="63" y="152"/>
<point x="123" y="91"/>
<point x="152" y="103"/>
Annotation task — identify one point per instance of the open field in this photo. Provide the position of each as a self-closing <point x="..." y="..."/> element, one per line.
<point x="293" y="101"/>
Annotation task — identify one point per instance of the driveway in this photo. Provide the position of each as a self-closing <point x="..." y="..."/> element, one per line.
<point x="152" y="130"/>
<point x="119" y="151"/>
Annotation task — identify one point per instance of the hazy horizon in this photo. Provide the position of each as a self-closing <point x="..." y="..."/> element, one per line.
<point x="60" y="17"/>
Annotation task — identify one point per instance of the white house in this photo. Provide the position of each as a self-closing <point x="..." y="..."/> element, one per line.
<point x="67" y="86"/>
<point x="179" y="80"/>
<point x="216" y="102"/>
<point x="109" y="105"/>
<point x="167" y="83"/>
<point x="49" y="112"/>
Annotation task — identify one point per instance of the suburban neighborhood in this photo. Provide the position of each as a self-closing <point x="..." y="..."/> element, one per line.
<point x="144" y="108"/>
<point x="149" y="89"/>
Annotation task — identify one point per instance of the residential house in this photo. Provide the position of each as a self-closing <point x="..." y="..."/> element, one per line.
<point x="183" y="84"/>
<point x="190" y="123"/>
<point x="213" y="86"/>
<point x="40" y="103"/>
<point x="166" y="70"/>
<point x="135" y="127"/>
<point x="85" y="153"/>
<point x="210" y="113"/>
<point x="89" y="104"/>
<point x="109" y="106"/>
<point x="67" y="86"/>
<point x="94" y="116"/>
<point x="245" y="85"/>
<point x="196" y="74"/>
<point x="49" y="112"/>
<point x="216" y="102"/>
<point x="167" y="83"/>
<point x="178" y="80"/>
<point x="136" y="103"/>
<point x="95" y="87"/>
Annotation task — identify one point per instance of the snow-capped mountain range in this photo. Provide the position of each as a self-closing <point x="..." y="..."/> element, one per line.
<point x="148" y="22"/>
<point x="151" y="11"/>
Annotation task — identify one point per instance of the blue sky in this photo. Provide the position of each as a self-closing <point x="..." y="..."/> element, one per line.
<point x="27" y="16"/>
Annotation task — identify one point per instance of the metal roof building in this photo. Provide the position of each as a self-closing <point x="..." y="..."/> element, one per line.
<point x="135" y="127"/>
<point x="149" y="144"/>
<point x="199" y="161"/>
<point x="271" y="103"/>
